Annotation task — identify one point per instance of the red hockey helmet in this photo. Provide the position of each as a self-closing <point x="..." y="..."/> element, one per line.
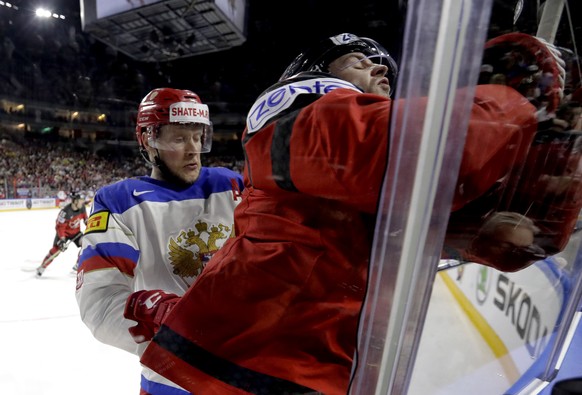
<point x="164" y="106"/>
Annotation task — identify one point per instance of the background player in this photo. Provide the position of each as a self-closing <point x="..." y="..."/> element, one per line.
<point x="68" y="229"/>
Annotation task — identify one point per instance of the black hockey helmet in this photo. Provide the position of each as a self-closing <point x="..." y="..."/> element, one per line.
<point x="75" y="196"/>
<point x="318" y="57"/>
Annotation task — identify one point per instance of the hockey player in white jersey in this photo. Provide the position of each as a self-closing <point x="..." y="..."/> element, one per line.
<point x="148" y="238"/>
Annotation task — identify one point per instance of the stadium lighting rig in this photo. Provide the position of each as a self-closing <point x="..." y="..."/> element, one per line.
<point x="8" y="5"/>
<point x="44" y="13"/>
<point x="40" y="12"/>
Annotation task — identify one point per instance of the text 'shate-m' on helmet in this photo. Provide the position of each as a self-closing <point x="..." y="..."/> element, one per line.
<point x="318" y="57"/>
<point x="164" y="106"/>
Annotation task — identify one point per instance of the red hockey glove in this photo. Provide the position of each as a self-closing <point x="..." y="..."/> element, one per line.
<point x="527" y="64"/>
<point x="148" y="308"/>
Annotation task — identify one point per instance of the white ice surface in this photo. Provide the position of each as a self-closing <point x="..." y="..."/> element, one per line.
<point x="453" y="358"/>
<point x="45" y="349"/>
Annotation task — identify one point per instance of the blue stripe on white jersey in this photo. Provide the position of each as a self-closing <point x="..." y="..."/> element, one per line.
<point x="160" y="389"/>
<point x="148" y="234"/>
<point x="108" y="250"/>
<point x="127" y="193"/>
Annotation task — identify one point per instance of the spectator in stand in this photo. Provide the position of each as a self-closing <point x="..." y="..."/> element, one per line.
<point x="55" y="166"/>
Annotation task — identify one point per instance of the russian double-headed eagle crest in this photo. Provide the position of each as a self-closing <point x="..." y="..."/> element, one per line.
<point x="190" y="251"/>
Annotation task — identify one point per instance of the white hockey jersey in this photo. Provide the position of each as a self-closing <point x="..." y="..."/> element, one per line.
<point x="146" y="234"/>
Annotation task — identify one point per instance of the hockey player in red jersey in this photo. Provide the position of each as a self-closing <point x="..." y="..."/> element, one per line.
<point x="276" y="310"/>
<point x="68" y="229"/>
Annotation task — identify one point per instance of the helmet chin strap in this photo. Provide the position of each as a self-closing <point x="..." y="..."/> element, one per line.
<point x="160" y="164"/>
<point x="157" y="162"/>
<point x="144" y="154"/>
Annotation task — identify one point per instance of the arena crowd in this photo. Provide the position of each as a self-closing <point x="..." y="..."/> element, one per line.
<point x="46" y="167"/>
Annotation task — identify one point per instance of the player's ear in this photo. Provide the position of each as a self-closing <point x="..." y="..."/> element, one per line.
<point x="145" y="139"/>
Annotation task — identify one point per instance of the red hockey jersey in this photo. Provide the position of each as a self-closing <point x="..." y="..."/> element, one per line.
<point x="276" y="310"/>
<point x="68" y="222"/>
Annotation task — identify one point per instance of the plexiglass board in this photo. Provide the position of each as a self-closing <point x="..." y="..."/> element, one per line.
<point x="475" y="276"/>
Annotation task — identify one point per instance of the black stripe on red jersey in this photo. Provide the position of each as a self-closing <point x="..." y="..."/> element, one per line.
<point x="280" y="155"/>
<point x="223" y="370"/>
<point x="284" y="121"/>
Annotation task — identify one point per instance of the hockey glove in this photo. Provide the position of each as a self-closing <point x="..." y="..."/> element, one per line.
<point x="528" y="64"/>
<point x="62" y="244"/>
<point x="515" y="259"/>
<point x="494" y="245"/>
<point x="149" y="309"/>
